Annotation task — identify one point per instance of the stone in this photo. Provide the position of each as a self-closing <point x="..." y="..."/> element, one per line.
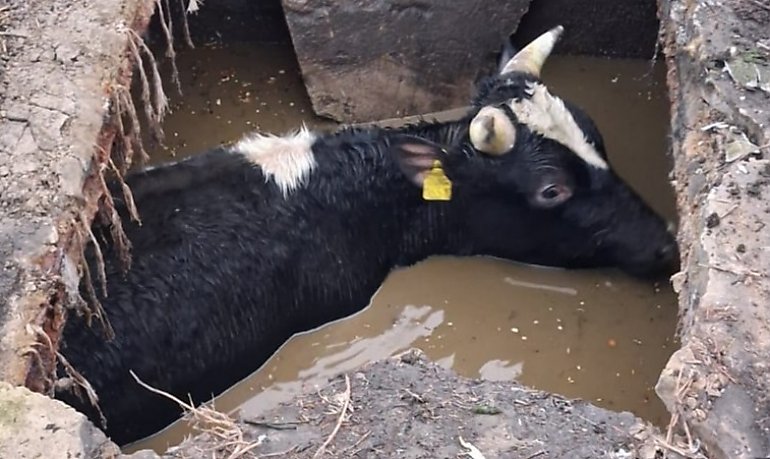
<point x="35" y="426"/>
<point x="364" y="60"/>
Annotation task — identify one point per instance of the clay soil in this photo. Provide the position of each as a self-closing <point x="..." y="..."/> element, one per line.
<point x="719" y="81"/>
<point x="408" y="407"/>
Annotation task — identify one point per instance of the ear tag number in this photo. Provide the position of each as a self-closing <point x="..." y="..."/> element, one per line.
<point x="437" y="186"/>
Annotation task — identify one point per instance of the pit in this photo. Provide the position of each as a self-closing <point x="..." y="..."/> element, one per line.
<point x="596" y="335"/>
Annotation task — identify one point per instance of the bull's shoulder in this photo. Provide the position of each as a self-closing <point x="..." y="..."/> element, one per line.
<point x="218" y="165"/>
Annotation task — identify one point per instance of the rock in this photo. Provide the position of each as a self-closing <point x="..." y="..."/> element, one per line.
<point x="35" y="426"/>
<point x="364" y="60"/>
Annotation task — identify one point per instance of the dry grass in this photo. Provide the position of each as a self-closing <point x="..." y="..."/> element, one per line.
<point x="229" y="442"/>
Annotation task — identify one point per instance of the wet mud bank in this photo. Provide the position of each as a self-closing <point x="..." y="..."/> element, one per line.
<point x="719" y="80"/>
<point x="407" y="406"/>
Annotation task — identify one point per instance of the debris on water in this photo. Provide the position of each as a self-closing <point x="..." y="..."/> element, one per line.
<point x="611" y="342"/>
<point x="514" y="329"/>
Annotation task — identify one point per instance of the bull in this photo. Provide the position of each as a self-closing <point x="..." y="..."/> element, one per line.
<point x="244" y="245"/>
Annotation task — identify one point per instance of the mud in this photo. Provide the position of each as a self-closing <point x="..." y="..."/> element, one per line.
<point x="717" y="384"/>
<point x="434" y="407"/>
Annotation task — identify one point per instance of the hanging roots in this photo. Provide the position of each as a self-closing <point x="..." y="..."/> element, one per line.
<point x="153" y="97"/>
<point x="95" y="308"/>
<point x="167" y="25"/>
<point x="82" y="383"/>
<point x="185" y="25"/>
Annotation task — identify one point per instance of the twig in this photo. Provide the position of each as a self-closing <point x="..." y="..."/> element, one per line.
<point x="354" y="445"/>
<point x="13" y="34"/>
<point x="344" y="410"/>
<point x="539" y="453"/>
<point x="171" y="397"/>
<point x="472" y="452"/>
<point x="761" y="5"/>
<point x="273" y="425"/>
<point x="280" y="453"/>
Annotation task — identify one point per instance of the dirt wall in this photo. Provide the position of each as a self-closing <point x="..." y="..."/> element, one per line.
<point x="61" y="64"/>
<point x="716" y="385"/>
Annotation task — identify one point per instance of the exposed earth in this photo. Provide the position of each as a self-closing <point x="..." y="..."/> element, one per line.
<point x="65" y="64"/>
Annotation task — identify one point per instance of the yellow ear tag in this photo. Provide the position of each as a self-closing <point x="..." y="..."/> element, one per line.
<point x="436" y="186"/>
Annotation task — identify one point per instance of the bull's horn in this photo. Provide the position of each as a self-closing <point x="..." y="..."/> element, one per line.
<point x="533" y="56"/>
<point x="492" y="132"/>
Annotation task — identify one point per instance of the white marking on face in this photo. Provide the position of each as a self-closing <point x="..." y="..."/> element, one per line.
<point x="288" y="160"/>
<point x="546" y="115"/>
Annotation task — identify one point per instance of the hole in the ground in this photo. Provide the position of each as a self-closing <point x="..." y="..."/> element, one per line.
<point x="598" y="334"/>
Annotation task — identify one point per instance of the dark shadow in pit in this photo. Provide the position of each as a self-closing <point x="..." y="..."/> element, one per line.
<point x="608" y="28"/>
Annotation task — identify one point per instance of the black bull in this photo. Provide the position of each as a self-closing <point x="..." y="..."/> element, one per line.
<point x="239" y="250"/>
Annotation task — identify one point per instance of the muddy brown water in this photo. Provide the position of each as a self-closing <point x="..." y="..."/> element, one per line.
<point x="595" y="334"/>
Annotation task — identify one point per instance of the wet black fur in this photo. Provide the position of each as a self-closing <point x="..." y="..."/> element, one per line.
<point x="225" y="269"/>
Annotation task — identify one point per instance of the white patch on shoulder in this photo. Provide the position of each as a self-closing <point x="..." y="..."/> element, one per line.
<point x="288" y="159"/>
<point x="547" y="115"/>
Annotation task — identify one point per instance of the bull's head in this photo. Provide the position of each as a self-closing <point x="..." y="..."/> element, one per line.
<point x="535" y="182"/>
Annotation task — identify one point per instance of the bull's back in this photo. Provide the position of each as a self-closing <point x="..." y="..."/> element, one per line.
<point x="204" y="266"/>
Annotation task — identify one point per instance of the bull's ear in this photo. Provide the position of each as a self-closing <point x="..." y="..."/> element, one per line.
<point x="416" y="156"/>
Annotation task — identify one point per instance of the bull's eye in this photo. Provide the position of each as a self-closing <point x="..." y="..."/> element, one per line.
<point x="550" y="193"/>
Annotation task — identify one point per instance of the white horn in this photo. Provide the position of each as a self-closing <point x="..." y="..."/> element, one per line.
<point x="492" y="132"/>
<point x="532" y="57"/>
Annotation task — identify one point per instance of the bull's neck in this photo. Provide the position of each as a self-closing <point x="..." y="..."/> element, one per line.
<point x="386" y="212"/>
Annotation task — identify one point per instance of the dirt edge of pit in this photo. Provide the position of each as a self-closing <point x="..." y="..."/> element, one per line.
<point x="62" y="64"/>
<point x="716" y="385"/>
<point x="50" y="133"/>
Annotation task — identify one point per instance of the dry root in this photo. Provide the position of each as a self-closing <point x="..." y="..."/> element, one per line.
<point x="229" y="436"/>
<point x="684" y="446"/>
<point x="154" y="97"/>
<point x="167" y="25"/>
<point x="343" y="413"/>
<point x="185" y="25"/>
<point x="83" y="384"/>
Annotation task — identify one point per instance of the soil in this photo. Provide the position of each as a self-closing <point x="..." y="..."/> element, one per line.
<point x="408" y="407"/>
<point x="717" y="383"/>
<point x="60" y="63"/>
